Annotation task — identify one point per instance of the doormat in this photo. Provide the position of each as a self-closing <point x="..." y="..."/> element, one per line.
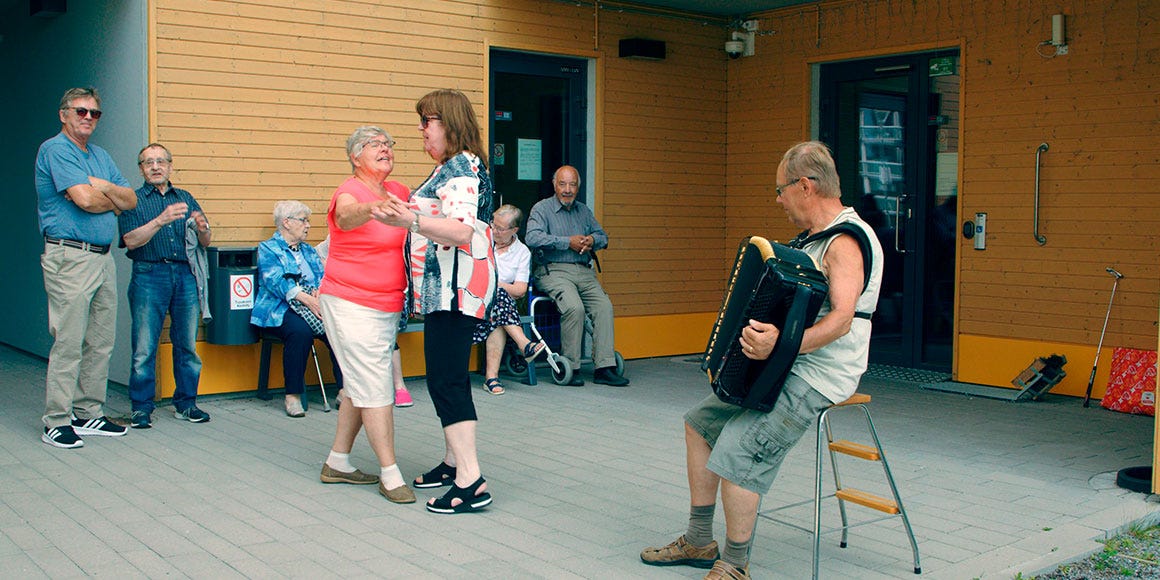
<point x="973" y="390"/>
<point x="906" y="375"/>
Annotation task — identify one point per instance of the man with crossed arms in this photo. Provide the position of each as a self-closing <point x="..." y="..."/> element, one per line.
<point x="79" y="192"/>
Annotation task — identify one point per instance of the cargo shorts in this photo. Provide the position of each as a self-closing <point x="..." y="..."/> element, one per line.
<point x="748" y="446"/>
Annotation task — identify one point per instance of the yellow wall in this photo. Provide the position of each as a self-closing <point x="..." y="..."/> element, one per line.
<point x="996" y="361"/>
<point x="256" y="98"/>
<point x="235" y="368"/>
<point x="1097" y="109"/>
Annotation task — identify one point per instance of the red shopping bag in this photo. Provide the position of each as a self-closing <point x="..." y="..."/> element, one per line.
<point x="1132" y="382"/>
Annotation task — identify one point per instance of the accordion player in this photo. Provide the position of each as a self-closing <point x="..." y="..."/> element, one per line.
<point x="771" y="283"/>
<point x="776" y="284"/>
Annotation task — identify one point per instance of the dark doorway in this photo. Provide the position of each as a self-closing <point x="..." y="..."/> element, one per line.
<point x="893" y="126"/>
<point x="537" y="122"/>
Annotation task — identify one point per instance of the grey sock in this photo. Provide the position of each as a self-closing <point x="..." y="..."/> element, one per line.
<point x="736" y="553"/>
<point x="700" y="532"/>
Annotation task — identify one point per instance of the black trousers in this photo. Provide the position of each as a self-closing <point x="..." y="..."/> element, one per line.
<point x="297" y="338"/>
<point x="447" y="350"/>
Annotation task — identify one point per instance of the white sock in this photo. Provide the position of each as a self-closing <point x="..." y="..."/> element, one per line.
<point x="340" y="462"/>
<point x="391" y="476"/>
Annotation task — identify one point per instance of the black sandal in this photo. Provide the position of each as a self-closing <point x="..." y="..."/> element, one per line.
<point x="440" y="476"/>
<point x="470" y="501"/>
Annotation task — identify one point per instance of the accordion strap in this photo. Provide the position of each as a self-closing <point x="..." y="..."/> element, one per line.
<point x="863" y="243"/>
<point x="843" y="228"/>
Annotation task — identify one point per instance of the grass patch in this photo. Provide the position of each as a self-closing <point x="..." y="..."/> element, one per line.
<point x="1132" y="554"/>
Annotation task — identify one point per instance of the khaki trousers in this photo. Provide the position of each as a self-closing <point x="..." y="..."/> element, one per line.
<point x="577" y="292"/>
<point x="82" y="317"/>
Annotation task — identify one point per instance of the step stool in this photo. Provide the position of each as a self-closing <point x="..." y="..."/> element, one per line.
<point x="893" y="508"/>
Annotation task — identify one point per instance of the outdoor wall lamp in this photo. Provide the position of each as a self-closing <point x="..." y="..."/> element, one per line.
<point x="1058" y="41"/>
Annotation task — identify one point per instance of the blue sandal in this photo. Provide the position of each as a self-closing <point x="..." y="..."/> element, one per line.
<point x="470" y="499"/>
<point x="533" y="350"/>
<point x="493" y="386"/>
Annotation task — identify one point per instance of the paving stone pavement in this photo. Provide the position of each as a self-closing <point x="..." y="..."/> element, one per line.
<point x="583" y="479"/>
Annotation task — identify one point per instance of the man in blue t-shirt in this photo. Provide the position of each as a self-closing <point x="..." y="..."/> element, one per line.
<point x="161" y="232"/>
<point x="79" y="192"/>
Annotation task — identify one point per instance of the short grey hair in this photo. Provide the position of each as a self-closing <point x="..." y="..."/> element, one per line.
<point x="508" y="210"/>
<point x="79" y="93"/>
<point x="168" y="155"/>
<point x="360" y="138"/>
<point x="287" y="209"/>
<point x="812" y="159"/>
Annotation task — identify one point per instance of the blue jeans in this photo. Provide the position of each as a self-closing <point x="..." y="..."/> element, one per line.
<point x="154" y="290"/>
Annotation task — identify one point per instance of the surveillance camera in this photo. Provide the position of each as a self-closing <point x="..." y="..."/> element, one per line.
<point x="734" y="48"/>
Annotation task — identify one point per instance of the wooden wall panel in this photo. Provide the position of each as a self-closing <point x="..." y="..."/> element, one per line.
<point x="664" y="166"/>
<point x="1098" y="107"/>
<point x="256" y="98"/>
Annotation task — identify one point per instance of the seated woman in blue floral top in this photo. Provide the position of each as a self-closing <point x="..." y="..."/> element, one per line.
<point x="289" y="272"/>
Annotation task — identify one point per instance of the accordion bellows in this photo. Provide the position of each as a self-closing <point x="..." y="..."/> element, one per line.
<point x="769" y="283"/>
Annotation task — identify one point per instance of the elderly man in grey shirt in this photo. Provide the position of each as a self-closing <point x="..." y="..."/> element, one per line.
<point x="563" y="234"/>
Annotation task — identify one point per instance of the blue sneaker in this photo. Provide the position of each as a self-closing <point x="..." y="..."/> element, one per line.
<point x="193" y="415"/>
<point x="140" y="420"/>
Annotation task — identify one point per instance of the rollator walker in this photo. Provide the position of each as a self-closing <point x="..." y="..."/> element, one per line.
<point x="543" y="323"/>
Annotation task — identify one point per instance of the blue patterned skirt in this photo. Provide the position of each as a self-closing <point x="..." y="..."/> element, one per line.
<point x="503" y="313"/>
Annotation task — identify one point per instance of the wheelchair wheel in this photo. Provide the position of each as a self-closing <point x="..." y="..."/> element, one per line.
<point x="562" y="370"/>
<point x="619" y="363"/>
<point x="515" y="364"/>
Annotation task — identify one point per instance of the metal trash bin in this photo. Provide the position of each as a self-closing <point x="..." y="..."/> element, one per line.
<point x="233" y="273"/>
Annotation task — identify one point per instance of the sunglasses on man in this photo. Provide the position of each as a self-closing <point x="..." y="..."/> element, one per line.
<point x="82" y="112"/>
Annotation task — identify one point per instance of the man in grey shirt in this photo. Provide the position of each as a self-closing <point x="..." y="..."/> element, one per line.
<point x="563" y="234"/>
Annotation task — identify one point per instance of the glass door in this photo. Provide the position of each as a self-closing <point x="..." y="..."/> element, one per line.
<point x="537" y="123"/>
<point x="887" y="121"/>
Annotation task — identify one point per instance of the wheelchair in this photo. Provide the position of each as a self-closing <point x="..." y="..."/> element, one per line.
<point x="544" y="325"/>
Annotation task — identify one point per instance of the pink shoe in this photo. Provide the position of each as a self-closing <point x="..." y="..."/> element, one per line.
<point x="403" y="398"/>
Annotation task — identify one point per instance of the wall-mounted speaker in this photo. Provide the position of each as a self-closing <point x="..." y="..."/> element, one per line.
<point x="642" y="48"/>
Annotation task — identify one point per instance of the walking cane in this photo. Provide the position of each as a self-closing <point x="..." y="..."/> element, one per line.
<point x="1092" y="378"/>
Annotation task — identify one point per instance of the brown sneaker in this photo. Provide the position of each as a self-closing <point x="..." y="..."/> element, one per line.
<point x="681" y="553"/>
<point x="355" y="477"/>
<point x="723" y="570"/>
<point x="401" y="494"/>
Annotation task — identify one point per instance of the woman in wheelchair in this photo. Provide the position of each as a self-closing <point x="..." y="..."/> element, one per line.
<point x="514" y="264"/>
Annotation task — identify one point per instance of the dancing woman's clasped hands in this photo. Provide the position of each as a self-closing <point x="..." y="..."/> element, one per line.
<point x="393" y="212"/>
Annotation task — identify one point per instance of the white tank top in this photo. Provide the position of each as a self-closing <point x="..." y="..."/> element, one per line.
<point x="835" y="369"/>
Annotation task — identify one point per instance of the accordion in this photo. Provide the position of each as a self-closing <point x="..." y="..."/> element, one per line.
<point x="770" y="283"/>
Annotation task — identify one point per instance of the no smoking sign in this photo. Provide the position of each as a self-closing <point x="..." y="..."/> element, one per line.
<point x="241" y="292"/>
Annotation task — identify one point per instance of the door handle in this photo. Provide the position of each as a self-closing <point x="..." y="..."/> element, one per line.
<point x="898" y="223"/>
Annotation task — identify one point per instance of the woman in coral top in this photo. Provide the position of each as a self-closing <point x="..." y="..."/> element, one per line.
<point x="362" y="302"/>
